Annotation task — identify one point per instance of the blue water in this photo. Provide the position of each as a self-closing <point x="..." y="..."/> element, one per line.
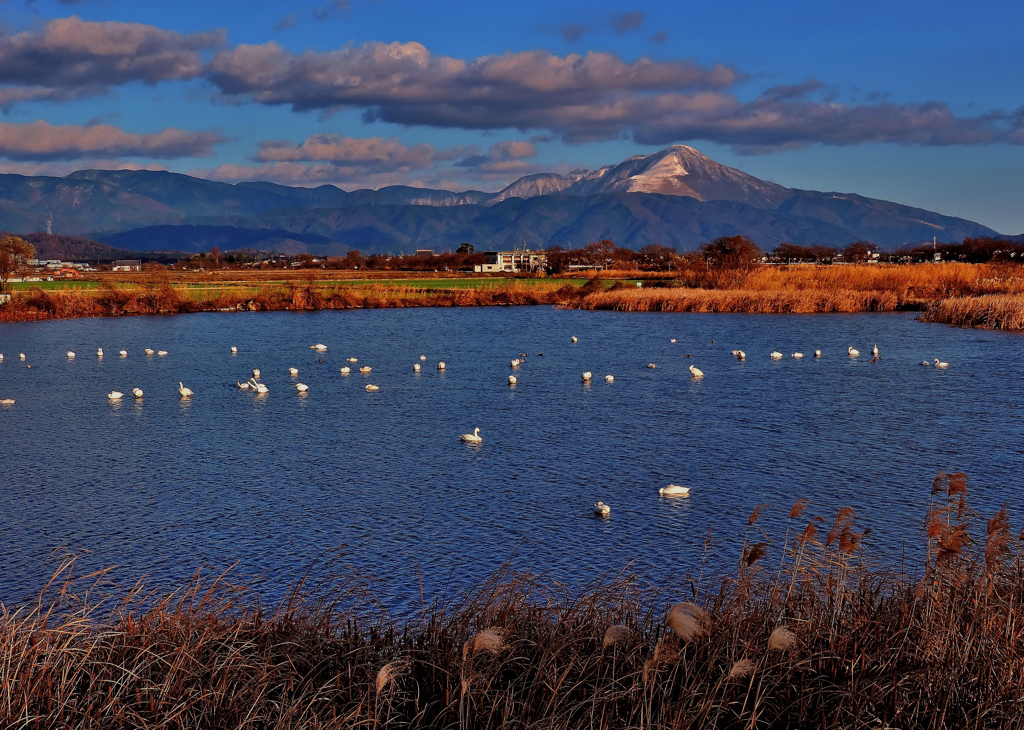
<point x="379" y="482"/>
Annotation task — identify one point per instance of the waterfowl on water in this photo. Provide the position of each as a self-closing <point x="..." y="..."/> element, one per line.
<point x="301" y="387"/>
<point x="673" y="340"/>
<point x="99" y="352"/>
<point x="256" y="373"/>
<point x="6" y="401"/>
<point x="243" y="386"/>
<point x="183" y="391"/>
<point x="365" y="369"/>
<point x="161" y="353"/>
<point x="416" y="367"/>
<point x="515" y="363"/>
<point x="423" y="357"/>
<point x="776" y="355"/>
<point x="346" y="370"/>
<point x="739" y="354"/>
<point x="575" y="339"/>
<point x="652" y="366"/>
<point x="942" y="365"/>
<point x="817" y="353"/>
<point x="852" y="352"/>
<point x="609" y="378"/>
<point x="137" y="392"/>
<point x="473" y="438"/>
<point x="319" y="347"/>
<point x="123" y="353"/>
<point x="258" y="387"/>
<point x="696" y="372"/>
<point x="440" y="366"/>
<point x="926" y="363"/>
<point x="587" y="376"/>
<point x="353" y="359"/>
<point x="150" y="352"/>
<point x="71" y="355"/>
<point x="234" y="350"/>
<point x="293" y="371"/>
<point x="874" y="350"/>
<point x="512" y="380"/>
<point x="601" y="509"/>
<point x="115" y="395"/>
<point x="797" y="355"/>
<point x="673" y="490"/>
<point x="21" y="356"/>
<point x="372" y="388"/>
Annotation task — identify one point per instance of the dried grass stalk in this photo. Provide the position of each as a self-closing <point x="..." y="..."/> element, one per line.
<point x="615" y="634"/>
<point x="740" y="669"/>
<point x="782" y="639"/>
<point x="389" y="672"/>
<point x="688" y="620"/>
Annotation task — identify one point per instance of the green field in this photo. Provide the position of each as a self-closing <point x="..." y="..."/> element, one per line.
<point x="52" y="285"/>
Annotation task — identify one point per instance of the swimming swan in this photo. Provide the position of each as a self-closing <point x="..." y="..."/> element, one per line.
<point x="673" y="490"/>
<point x="874" y="350"/>
<point x="673" y="340"/>
<point x="776" y="355"/>
<point x="256" y="373"/>
<point x="161" y="353"/>
<point x="512" y="380"/>
<point x="372" y="388"/>
<point x="798" y="355"/>
<point x="115" y="395"/>
<point x="440" y="365"/>
<point x="365" y="369"/>
<point x="242" y="386"/>
<point x="137" y="392"/>
<point x="852" y="352"/>
<point x="696" y="372"/>
<point x="739" y="354"/>
<point x="942" y="365"/>
<point x="293" y="371"/>
<point x="319" y="347"/>
<point x="234" y="350"/>
<point x="150" y="352"/>
<point x="353" y="359"/>
<point x="301" y="387"/>
<point x="609" y="378"/>
<point x="123" y="353"/>
<point x="575" y="339"/>
<point x="651" y="365"/>
<point x="99" y="352"/>
<point x="183" y="391"/>
<point x="71" y="355"/>
<point x="587" y="376"/>
<point x="416" y="367"/>
<point x="926" y="363"/>
<point x="345" y="370"/>
<point x="6" y="401"/>
<point x="473" y="438"/>
<point x="423" y="357"/>
<point x="602" y="510"/>
<point x="817" y="353"/>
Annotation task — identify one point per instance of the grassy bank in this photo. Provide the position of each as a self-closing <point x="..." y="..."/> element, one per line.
<point x="969" y="295"/>
<point x="805" y="634"/>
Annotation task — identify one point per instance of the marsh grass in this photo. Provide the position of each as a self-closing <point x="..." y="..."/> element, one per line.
<point x="807" y="634"/>
<point x="996" y="312"/>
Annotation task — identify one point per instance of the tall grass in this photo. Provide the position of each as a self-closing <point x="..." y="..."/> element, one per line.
<point x="995" y="312"/>
<point x="816" y="638"/>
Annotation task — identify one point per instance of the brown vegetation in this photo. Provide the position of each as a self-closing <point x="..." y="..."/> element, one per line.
<point x="818" y="640"/>
<point x="994" y="312"/>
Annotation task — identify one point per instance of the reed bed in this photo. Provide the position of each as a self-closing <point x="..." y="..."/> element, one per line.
<point x="814" y="637"/>
<point x="745" y="301"/>
<point x="998" y="312"/>
<point x="112" y="300"/>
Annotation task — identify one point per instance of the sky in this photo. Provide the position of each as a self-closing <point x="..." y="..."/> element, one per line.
<point x="915" y="102"/>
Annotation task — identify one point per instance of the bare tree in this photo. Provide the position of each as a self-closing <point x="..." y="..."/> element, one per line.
<point x="14" y="253"/>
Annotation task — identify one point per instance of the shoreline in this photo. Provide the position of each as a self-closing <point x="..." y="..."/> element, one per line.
<point x="806" y="633"/>
<point x="964" y="295"/>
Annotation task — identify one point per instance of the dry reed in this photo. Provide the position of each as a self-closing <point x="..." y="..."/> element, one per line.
<point x="823" y="641"/>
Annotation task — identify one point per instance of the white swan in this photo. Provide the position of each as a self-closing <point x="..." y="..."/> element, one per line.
<point x="651" y="365"/>
<point x="926" y="363"/>
<point x="673" y="490"/>
<point x="817" y="353"/>
<point x="587" y="376"/>
<point x="183" y="391"/>
<point x="601" y="509"/>
<point x="673" y="340"/>
<point x="22" y="356"/>
<point x="416" y="367"/>
<point x="319" y="347"/>
<point x="353" y="359"/>
<point x="365" y="369"/>
<point x="234" y="350"/>
<point x="99" y="352"/>
<point x="71" y="355"/>
<point x="515" y="363"/>
<point x="301" y="387"/>
<point x="258" y="387"/>
<point x="512" y="380"/>
<point x="137" y="392"/>
<point x="776" y="355"/>
<point x="423" y="357"/>
<point x="941" y="364"/>
<point x="346" y="370"/>
<point x="123" y="353"/>
<point x="1" y="357"/>
<point x="150" y="352"/>
<point x="696" y="372"/>
<point x="6" y="401"/>
<point x="739" y="354"/>
<point x="440" y="365"/>
<point x="161" y="353"/>
<point x="293" y="371"/>
<point x="473" y="438"/>
<point x="256" y="373"/>
<point x="115" y="395"/>
<point x="797" y="355"/>
<point x="372" y="388"/>
<point x="575" y="339"/>
<point x="242" y="386"/>
<point x="874" y="350"/>
<point x="852" y="352"/>
<point x="609" y="378"/>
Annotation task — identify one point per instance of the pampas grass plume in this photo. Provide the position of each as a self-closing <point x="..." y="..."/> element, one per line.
<point x="614" y="635"/>
<point x="741" y="669"/>
<point x="782" y="639"/>
<point x="389" y="672"/>
<point x="489" y="640"/>
<point x="687" y="620"/>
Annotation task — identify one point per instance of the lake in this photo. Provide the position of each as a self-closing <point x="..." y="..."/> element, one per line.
<point x="379" y="482"/>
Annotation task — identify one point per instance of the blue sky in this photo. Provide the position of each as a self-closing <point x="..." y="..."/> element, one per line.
<point x="914" y="102"/>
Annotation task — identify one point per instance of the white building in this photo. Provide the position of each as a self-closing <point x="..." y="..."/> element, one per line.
<point x="512" y="262"/>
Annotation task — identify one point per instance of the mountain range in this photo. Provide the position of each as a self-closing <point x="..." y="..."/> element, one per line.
<point x="676" y="197"/>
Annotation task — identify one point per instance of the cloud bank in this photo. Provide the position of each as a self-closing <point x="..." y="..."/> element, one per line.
<point x="42" y="141"/>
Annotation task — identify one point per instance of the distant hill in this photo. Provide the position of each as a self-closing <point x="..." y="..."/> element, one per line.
<point x="676" y="197"/>
<point x="70" y="248"/>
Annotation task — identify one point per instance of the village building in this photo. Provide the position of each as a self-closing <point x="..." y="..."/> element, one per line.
<point x="512" y="262"/>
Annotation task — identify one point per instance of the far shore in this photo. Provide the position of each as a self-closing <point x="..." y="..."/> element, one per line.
<point x="986" y="296"/>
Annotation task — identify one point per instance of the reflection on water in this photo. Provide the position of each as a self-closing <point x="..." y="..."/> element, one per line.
<point x="275" y="480"/>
